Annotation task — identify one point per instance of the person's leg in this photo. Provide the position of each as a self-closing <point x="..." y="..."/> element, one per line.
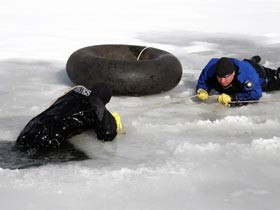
<point x="273" y="79"/>
<point x="270" y="78"/>
<point x="256" y="59"/>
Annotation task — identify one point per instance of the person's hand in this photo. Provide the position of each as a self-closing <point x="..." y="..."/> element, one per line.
<point x="202" y="94"/>
<point x="118" y="121"/>
<point x="224" y="99"/>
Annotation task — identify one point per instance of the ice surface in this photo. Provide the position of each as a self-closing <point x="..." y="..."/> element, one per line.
<point x="177" y="153"/>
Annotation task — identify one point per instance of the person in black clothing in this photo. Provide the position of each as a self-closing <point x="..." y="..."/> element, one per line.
<point x="78" y="110"/>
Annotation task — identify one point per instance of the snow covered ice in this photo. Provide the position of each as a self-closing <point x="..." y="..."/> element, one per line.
<point x="177" y="153"/>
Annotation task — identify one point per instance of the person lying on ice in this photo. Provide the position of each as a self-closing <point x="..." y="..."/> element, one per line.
<point x="236" y="80"/>
<point x="78" y="110"/>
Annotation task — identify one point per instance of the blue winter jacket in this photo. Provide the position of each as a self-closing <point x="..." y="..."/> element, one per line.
<point x="246" y="84"/>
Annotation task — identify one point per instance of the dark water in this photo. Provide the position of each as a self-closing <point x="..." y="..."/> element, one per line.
<point x="10" y="158"/>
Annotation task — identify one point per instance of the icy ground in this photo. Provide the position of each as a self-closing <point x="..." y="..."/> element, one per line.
<point x="177" y="153"/>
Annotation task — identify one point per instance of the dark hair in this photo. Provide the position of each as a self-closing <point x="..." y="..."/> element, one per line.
<point x="224" y="67"/>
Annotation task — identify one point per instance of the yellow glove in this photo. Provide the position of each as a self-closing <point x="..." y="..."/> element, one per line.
<point x="224" y="99"/>
<point x="202" y="94"/>
<point x="118" y="121"/>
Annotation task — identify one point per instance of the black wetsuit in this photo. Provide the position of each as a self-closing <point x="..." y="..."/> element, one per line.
<point x="78" y="110"/>
<point x="271" y="77"/>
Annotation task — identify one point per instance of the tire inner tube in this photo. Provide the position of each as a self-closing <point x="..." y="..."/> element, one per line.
<point x="128" y="69"/>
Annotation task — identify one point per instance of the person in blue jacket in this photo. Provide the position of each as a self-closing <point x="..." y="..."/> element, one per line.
<point x="236" y="80"/>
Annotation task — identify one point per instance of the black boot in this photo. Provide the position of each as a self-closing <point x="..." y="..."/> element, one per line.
<point x="256" y="59"/>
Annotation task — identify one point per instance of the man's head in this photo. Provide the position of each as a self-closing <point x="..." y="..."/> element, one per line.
<point x="102" y="91"/>
<point x="225" y="71"/>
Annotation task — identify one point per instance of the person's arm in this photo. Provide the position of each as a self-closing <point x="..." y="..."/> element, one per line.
<point x="254" y="94"/>
<point x="106" y="129"/>
<point x="207" y="72"/>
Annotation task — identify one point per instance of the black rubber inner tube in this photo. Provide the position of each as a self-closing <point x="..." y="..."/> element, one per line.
<point x="129" y="69"/>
